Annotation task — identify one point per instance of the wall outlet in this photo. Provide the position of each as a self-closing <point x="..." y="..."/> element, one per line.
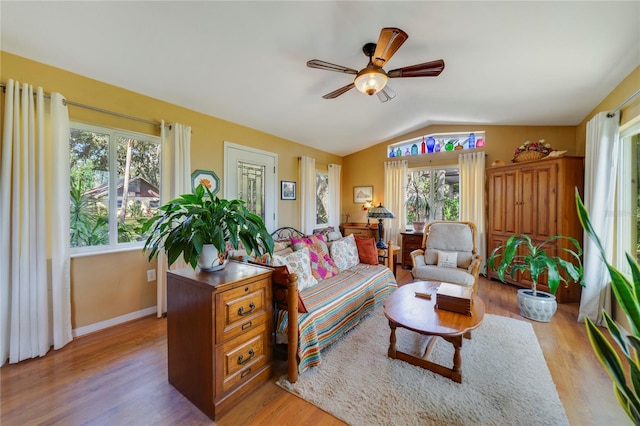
<point x="151" y="275"/>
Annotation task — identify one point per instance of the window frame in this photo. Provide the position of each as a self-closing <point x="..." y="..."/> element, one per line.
<point x="431" y="170"/>
<point x="114" y="133"/>
<point x="626" y="236"/>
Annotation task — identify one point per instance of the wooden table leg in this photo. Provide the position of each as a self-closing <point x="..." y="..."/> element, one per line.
<point x="456" y="372"/>
<point x="392" y="340"/>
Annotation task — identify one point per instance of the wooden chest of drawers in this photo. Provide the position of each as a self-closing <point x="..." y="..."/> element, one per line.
<point x="219" y="334"/>
<point x="410" y="241"/>
<point x="360" y="229"/>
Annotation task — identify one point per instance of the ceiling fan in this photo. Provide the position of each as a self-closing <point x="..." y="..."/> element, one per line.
<point x="372" y="78"/>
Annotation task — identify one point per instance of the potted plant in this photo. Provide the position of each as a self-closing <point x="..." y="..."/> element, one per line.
<point x="198" y="225"/>
<point x="520" y="254"/>
<point x="622" y="364"/>
<point x="418" y="207"/>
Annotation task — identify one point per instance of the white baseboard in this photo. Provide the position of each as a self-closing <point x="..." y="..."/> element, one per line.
<point x="113" y="321"/>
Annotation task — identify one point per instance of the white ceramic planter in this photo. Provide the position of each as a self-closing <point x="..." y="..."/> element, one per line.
<point x="209" y="259"/>
<point x="538" y="308"/>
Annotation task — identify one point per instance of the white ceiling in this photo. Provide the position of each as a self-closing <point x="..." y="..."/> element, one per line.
<point x="508" y="63"/>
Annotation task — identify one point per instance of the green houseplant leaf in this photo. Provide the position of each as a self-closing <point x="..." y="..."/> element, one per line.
<point x="184" y="225"/>
<point x="520" y="254"/>
<point x="627" y="294"/>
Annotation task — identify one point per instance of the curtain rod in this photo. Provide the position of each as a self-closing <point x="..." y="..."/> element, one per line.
<point x="626" y="101"/>
<point x="92" y="108"/>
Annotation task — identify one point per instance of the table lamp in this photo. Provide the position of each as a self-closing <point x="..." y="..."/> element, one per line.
<point x="380" y="213"/>
<point x="367" y="205"/>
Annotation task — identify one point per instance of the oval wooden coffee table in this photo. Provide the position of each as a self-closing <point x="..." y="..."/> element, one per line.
<point x="404" y="309"/>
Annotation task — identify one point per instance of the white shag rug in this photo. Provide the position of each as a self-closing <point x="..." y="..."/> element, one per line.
<point x="505" y="379"/>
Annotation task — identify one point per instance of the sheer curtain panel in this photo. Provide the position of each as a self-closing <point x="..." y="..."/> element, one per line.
<point x="35" y="310"/>
<point x="176" y="180"/>
<point x="395" y="182"/>
<point x="334" y="195"/>
<point x="472" y="203"/>
<point x="307" y="194"/>
<point x="599" y="188"/>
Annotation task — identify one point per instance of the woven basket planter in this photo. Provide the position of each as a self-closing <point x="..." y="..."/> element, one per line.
<point x="528" y="156"/>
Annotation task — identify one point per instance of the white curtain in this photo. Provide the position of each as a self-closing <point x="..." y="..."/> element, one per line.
<point x="176" y="180"/>
<point x="472" y="204"/>
<point x="599" y="189"/>
<point x="334" y="195"/>
<point x="395" y="182"/>
<point x="35" y="310"/>
<point x="307" y="194"/>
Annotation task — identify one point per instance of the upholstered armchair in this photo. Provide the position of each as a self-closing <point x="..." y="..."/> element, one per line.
<point x="448" y="254"/>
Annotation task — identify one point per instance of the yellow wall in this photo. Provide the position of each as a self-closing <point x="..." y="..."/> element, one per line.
<point x="366" y="167"/>
<point x="109" y="285"/>
<point x="626" y="88"/>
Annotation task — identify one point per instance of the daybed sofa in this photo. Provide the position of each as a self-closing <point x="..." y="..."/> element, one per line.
<point x="309" y="319"/>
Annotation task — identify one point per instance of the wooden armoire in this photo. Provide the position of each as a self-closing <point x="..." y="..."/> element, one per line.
<point x="536" y="198"/>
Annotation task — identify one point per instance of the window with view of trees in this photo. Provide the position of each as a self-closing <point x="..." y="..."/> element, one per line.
<point x="322" y="198"/>
<point x="432" y="193"/>
<point x="115" y="186"/>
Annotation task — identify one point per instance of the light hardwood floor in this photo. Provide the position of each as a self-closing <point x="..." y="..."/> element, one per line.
<point x="118" y="376"/>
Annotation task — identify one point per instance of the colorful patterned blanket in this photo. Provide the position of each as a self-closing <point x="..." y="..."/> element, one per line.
<point x="334" y="306"/>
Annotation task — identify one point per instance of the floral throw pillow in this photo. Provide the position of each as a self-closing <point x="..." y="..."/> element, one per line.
<point x="322" y="266"/>
<point x="297" y="263"/>
<point x="344" y="252"/>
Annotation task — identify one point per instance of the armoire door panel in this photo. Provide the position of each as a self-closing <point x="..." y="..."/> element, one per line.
<point x="527" y="205"/>
<point x="510" y="205"/>
<point x="546" y="199"/>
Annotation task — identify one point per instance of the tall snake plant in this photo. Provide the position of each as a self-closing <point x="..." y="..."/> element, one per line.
<point x="625" y="371"/>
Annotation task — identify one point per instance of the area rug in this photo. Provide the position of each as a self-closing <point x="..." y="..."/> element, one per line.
<point x="505" y="379"/>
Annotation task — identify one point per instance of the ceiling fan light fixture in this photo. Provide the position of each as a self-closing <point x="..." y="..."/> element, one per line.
<point x="371" y="79"/>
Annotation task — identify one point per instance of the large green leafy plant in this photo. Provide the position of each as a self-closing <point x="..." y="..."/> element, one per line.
<point x="184" y="225"/>
<point x="520" y="254"/>
<point x="625" y="372"/>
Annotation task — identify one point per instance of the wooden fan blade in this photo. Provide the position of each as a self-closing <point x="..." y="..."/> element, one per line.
<point x="339" y="92"/>
<point x="322" y="65"/>
<point x="386" y="94"/>
<point x="389" y="42"/>
<point x="428" y="69"/>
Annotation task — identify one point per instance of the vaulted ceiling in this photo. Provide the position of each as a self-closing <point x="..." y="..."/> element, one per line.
<point x="507" y="63"/>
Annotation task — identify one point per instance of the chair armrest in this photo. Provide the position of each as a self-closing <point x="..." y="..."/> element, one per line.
<point x="417" y="258"/>
<point x="474" y="270"/>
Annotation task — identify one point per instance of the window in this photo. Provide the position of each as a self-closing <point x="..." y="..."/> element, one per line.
<point x="433" y="193"/>
<point x="628" y="198"/>
<point x="115" y="187"/>
<point x="322" y="198"/>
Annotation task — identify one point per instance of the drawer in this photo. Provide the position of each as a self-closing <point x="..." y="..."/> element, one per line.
<point x="239" y="357"/>
<point x="412" y="239"/>
<point x="358" y="232"/>
<point x="241" y="309"/>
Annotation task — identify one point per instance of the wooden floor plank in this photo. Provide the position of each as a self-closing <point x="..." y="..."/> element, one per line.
<point x="118" y="376"/>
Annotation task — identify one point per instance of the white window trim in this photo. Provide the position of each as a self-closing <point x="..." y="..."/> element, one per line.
<point x="113" y="246"/>
<point x="431" y="169"/>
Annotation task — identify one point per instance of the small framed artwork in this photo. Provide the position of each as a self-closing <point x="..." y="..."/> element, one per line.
<point x="362" y="194"/>
<point x="205" y="178"/>
<point x="287" y="190"/>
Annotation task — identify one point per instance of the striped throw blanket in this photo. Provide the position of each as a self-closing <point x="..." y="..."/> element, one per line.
<point x="334" y="306"/>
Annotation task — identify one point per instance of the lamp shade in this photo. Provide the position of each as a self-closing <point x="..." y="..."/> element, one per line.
<point x="371" y="79"/>
<point x="380" y="212"/>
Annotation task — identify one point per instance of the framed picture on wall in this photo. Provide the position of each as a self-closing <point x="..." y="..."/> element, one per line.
<point x="362" y="194"/>
<point x="287" y="190"/>
<point x="206" y="178"/>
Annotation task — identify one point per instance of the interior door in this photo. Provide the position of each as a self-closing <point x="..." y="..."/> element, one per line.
<point x="250" y="175"/>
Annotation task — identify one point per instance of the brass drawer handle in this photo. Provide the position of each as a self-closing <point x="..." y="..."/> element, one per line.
<point x="241" y="312"/>
<point x="242" y="361"/>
